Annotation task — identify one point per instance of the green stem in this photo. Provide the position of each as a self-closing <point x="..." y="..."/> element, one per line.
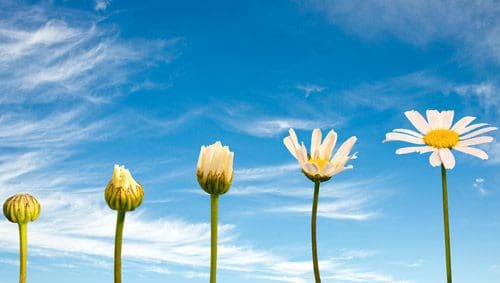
<point x="446" y="225"/>
<point x="313" y="232"/>
<point x="214" y="207"/>
<point x="23" y="247"/>
<point x="120" y="221"/>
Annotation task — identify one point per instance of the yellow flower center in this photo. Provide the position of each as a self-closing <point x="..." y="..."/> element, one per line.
<point x="441" y="138"/>
<point x="320" y="162"/>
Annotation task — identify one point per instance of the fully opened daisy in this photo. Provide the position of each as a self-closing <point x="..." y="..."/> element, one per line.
<point x="319" y="166"/>
<point x="437" y="135"/>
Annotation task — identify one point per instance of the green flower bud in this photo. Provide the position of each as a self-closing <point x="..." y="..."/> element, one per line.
<point x="123" y="193"/>
<point x="21" y="208"/>
<point x="215" y="168"/>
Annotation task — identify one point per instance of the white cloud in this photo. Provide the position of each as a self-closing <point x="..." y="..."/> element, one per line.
<point x="45" y="57"/>
<point x="473" y="27"/>
<point x="101" y="5"/>
<point x="488" y="94"/>
<point x="269" y="127"/>
<point x="266" y="172"/>
<point x="479" y="186"/>
<point x="309" y="88"/>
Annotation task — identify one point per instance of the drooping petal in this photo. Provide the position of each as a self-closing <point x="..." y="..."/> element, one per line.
<point x="418" y="121"/>
<point x="327" y="146"/>
<point x="473" y="151"/>
<point x="478" y="132"/>
<point x="435" y="159"/>
<point x="447" y="119"/>
<point x="474" y="141"/>
<point x="410" y="149"/>
<point x="462" y="123"/>
<point x="409" y="132"/>
<point x="434" y="118"/>
<point x="447" y="158"/>
<point x="403" y="137"/>
<point x="315" y="143"/>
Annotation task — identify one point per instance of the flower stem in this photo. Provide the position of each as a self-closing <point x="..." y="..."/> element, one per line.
<point x="446" y="225"/>
<point x="120" y="221"/>
<point x="313" y="232"/>
<point x="214" y="207"/>
<point x="23" y="249"/>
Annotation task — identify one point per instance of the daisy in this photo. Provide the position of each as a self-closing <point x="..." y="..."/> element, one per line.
<point x="437" y="135"/>
<point x="319" y="166"/>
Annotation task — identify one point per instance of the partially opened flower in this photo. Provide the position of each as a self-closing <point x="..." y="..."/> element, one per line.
<point x="437" y="135"/>
<point x="318" y="164"/>
<point x="214" y="170"/>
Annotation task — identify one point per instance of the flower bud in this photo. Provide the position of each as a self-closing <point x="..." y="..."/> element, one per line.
<point x="21" y="208"/>
<point x="215" y="168"/>
<point x="123" y="193"/>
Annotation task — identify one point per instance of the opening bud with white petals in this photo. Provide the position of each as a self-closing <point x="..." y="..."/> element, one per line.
<point x="215" y="168"/>
<point x="123" y="193"/>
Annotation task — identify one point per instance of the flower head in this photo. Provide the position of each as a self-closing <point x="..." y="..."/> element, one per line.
<point x="123" y="193"/>
<point x="215" y="168"/>
<point x="21" y="208"/>
<point x="437" y="135"/>
<point x="318" y="164"/>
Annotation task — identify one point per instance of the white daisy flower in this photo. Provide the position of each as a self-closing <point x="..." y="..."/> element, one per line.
<point x="318" y="164"/>
<point x="437" y="135"/>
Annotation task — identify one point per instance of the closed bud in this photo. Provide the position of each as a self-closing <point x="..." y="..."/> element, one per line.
<point x="21" y="208"/>
<point x="123" y="193"/>
<point x="215" y="168"/>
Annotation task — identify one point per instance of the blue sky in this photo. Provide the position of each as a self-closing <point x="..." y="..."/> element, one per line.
<point x="87" y="84"/>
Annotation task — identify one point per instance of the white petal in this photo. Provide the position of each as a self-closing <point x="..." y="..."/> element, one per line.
<point x="434" y="118"/>
<point x="447" y="158"/>
<point x="328" y="169"/>
<point x="342" y="153"/>
<point x="403" y="137"/>
<point x="409" y="132"/>
<point x="447" y="118"/>
<point x="462" y="123"/>
<point x="473" y="151"/>
<point x="478" y="132"/>
<point x="435" y="159"/>
<point x="301" y="154"/>
<point x="315" y="143"/>
<point x="418" y="121"/>
<point x="310" y="168"/>
<point x="471" y="127"/>
<point x="474" y="141"/>
<point x="327" y="146"/>
<point x="410" y="149"/>
<point x="290" y="145"/>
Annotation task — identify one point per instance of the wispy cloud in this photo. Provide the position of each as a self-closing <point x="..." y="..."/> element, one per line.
<point x="485" y="92"/>
<point x="265" y="173"/>
<point x="101" y="5"/>
<point x="472" y="27"/>
<point x="70" y="56"/>
<point x="479" y="187"/>
<point x="309" y="88"/>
